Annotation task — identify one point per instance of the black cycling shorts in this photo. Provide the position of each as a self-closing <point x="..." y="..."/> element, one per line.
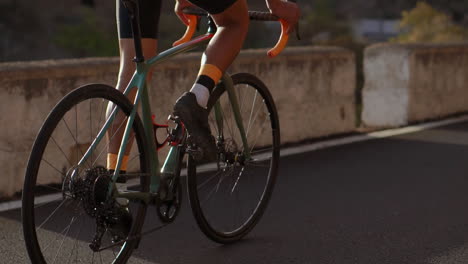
<point x="213" y="6"/>
<point x="149" y="19"/>
<point x="150" y="11"/>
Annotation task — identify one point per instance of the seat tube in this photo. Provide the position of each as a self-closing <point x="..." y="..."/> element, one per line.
<point x="133" y="8"/>
<point x="150" y="140"/>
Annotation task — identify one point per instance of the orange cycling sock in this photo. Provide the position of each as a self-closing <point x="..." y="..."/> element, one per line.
<point x="112" y="162"/>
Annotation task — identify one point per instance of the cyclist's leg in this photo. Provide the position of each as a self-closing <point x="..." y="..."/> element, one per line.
<point x="231" y="18"/>
<point x="126" y="70"/>
<point x="232" y="23"/>
<point x="149" y="18"/>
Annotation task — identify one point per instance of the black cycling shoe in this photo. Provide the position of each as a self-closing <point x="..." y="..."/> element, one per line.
<point x="195" y="119"/>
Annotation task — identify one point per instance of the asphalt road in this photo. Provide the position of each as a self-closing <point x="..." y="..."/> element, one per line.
<point x="402" y="199"/>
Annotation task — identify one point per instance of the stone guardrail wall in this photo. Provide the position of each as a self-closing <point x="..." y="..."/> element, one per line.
<point x="314" y="91"/>
<point x="411" y="83"/>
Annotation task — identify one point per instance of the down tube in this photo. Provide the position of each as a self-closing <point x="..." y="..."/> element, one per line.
<point x="229" y="85"/>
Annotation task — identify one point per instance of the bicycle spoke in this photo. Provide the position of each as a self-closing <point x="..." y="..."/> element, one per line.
<point x="61" y="244"/>
<point x="220" y="181"/>
<point x="253" y="121"/>
<point x="237" y="217"/>
<point x="213" y="191"/>
<point x="237" y="180"/>
<point x="61" y="223"/>
<point x="76" y="141"/>
<point x="66" y="230"/>
<point x="241" y="98"/>
<point x="251" y="113"/>
<point x="212" y="121"/>
<point x="52" y="188"/>
<point x="76" y="136"/>
<point x="68" y="199"/>
<point x="229" y="199"/>
<point x="61" y="150"/>
<point x="225" y="121"/>
<point x="260" y="131"/>
<point x="46" y="203"/>
<point x="91" y="125"/>
<point x="76" y="243"/>
<point x="52" y="214"/>
<point x="208" y="180"/>
<point x="109" y="140"/>
<point x="53" y="167"/>
<point x="229" y="123"/>
<point x="261" y="151"/>
<point x="101" y="113"/>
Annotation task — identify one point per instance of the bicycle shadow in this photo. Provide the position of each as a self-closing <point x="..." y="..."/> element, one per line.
<point x="394" y="200"/>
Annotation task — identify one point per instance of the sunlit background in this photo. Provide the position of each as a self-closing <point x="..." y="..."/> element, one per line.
<point x="49" y="29"/>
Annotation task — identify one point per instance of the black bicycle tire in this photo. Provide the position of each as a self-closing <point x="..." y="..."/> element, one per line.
<point x="76" y="96"/>
<point x="197" y="211"/>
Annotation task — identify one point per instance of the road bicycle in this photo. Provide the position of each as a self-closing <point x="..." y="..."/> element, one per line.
<point x="75" y="210"/>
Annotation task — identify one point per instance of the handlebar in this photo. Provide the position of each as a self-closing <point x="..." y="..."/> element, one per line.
<point x="284" y="37"/>
<point x="193" y="14"/>
<point x="193" y="20"/>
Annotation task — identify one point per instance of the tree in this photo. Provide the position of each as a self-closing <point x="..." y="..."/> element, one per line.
<point x="84" y="36"/>
<point x="426" y="24"/>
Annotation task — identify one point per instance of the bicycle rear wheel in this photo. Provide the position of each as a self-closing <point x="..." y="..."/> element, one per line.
<point x="228" y="197"/>
<point x="61" y="209"/>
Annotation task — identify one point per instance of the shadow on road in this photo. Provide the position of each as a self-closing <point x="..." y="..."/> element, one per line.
<point x="395" y="200"/>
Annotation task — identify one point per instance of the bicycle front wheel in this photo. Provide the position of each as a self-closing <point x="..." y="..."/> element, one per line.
<point x="61" y="211"/>
<point x="229" y="196"/>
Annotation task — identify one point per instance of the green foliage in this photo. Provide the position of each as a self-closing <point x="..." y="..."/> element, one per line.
<point x="86" y="37"/>
<point x="426" y="24"/>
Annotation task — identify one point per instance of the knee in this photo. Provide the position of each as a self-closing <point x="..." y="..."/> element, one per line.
<point x="238" y="27"/>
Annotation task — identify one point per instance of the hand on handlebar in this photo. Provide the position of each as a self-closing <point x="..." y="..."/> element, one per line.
<point x="288" y="12"/>
<point x="179" y="8"/>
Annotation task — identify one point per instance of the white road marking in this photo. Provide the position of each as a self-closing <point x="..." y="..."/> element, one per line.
<point x="369" y="136"/>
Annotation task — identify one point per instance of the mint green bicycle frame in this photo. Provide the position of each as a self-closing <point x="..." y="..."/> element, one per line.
<point x="139" y="81"/>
